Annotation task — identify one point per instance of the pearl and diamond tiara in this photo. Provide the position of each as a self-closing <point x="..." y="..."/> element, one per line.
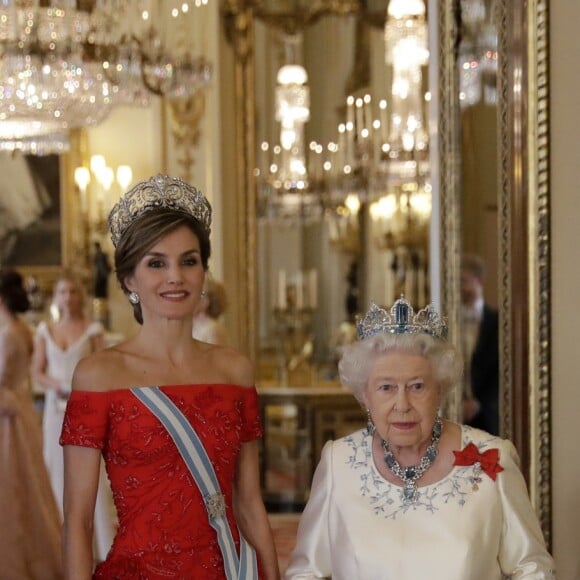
<point x="158" y="192"/>
<point x="401" y="319"/>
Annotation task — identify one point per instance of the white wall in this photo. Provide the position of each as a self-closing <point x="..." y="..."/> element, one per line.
<point x="565" y="196"/>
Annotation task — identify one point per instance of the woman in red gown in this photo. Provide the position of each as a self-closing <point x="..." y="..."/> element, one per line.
<point x="161" y="233"/>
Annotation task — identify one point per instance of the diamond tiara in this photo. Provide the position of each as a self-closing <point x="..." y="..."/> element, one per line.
<point x="160" y="191"/>
<point x="401" y="319"/>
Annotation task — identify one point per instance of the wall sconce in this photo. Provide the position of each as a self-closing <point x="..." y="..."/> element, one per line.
<point x="97" y="196"/>
<point x="95" y="184"/>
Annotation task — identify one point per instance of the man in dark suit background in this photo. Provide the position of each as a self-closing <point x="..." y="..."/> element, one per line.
<point x="480" y="346"/>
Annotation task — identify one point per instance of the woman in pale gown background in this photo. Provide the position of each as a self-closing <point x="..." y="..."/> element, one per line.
<point x="30" y="530"/>
<point x="207" y="324"/>
<point x="58" y="349"/>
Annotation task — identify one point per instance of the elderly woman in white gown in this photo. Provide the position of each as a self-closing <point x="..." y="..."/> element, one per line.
<point x="414" y="496"/>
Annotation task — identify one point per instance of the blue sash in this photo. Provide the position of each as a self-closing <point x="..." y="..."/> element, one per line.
<point x="195" y="456"/>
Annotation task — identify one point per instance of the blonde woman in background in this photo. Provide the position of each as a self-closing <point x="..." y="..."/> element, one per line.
<point x="58" y="349"/>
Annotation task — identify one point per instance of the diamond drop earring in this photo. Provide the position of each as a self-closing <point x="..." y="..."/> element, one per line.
<point x="370" y="424"/>
<point x="134" y="298"/>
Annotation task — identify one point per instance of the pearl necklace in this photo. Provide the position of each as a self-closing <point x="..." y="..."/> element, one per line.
<point x="410" y="475"/>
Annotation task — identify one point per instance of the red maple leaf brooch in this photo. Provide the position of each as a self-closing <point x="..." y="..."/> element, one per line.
<point x="488" y="462"/>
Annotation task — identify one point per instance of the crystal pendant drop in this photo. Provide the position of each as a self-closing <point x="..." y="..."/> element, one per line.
<point x="410" y="493"/>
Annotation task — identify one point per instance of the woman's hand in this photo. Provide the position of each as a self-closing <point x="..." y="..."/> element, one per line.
<point x="250" y="512"/>
<point x="8" y="403"/>
<point x="63" y="392"/>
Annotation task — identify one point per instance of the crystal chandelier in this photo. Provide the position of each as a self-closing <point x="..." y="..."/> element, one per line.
<point x="66" y="63"/>
<point x="477" y="59"/>
<point x="285" y="189"/>
<point x="380" y="163"/>
<point x="380" y="155"/>
<point x="382" y="152"/>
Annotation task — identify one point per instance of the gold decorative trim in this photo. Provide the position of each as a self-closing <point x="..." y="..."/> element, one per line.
<point x="238" y="20"/>
<point x="504" y="229"/>
<point x="449" y="190"/>
<point x="540" y="311"/>
<point x="186" y="116"/>
<point x="523" y="228"/>
<point x="524" y="231"/>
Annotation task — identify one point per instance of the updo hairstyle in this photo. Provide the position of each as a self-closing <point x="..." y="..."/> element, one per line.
<point x="12" y="291"/>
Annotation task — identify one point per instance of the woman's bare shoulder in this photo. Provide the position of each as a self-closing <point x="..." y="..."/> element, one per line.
<point x="236" y="367"/>
<point x="99" y="371"/>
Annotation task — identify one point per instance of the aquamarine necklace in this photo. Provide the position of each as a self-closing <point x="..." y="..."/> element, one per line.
<point x="410" y="475"/>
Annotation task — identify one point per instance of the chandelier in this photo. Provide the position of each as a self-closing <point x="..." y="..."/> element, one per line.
<point x="65" y="64"/>
<point x="477" y="58"/>
<point x="381" y="156"/>
<point x="286" y="187"/>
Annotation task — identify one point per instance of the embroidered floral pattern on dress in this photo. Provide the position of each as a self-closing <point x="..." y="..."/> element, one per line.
<point x="163" y="525"/>
<point x="386" y="499"/>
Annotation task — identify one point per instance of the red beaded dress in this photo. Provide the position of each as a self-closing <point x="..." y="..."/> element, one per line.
<point x="163" y="525"/>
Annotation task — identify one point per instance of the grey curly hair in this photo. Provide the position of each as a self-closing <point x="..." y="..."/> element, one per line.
<point x="358" y="359"/>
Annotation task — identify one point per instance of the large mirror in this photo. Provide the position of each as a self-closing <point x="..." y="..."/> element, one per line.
<point x="342" y="180"/>
<point x="515" y="204"/>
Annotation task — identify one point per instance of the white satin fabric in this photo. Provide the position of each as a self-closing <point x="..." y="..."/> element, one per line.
<point x="356" y="527"/>
<point x="61" y="364"/>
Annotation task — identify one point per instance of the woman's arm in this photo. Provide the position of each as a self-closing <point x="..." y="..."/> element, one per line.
<point x="39" y="366"/>
<point x="81" y="480"/>
<point x="311" y="558"/>
<point x="250" y="512"/>
<point x="82" y="471"/>
<point x="522" y="551"/>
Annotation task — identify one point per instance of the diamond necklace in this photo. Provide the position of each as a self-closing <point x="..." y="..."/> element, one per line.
<point x="410" y="475"/>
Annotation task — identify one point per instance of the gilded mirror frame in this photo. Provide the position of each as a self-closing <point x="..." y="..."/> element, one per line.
<point x="523" y="227"/>
<point x="524" y="212"/>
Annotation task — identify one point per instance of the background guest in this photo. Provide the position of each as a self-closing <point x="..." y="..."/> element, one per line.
<point x="480" y="349"/>
<point x="58" y="349"/>
<point x="101" y="271"/>
<point x="30" y="530"/>
<point x="207" y="324"/>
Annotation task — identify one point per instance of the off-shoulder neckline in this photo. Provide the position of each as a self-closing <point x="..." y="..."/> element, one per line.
<point x="186" y="386"/>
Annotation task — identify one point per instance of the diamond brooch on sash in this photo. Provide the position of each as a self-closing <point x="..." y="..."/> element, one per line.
<point x="215" y="505"/>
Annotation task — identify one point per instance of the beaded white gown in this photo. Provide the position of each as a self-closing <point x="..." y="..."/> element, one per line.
<point x="60" y="366"/>
<point x="466" y="526"/>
